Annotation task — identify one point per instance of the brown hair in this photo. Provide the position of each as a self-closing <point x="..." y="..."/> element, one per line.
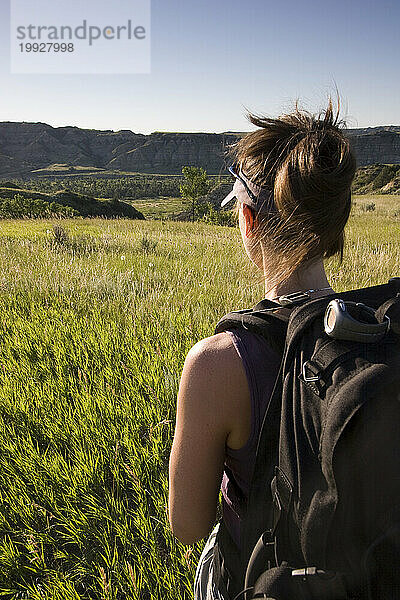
<point x="308" y="162"/>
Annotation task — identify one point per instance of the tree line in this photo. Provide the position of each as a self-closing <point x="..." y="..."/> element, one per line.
<point x="118" y="188"/>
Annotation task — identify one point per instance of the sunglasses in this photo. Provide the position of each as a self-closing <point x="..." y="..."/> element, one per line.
<point x="235" y="171"/>
<point x="245" y="191"/>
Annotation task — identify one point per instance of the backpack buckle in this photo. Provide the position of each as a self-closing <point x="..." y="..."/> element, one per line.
<point x="312" y="368"/>
<point x="312" y="572"/>
<point x="294" y="298"/>
<point x="322" y="584"/>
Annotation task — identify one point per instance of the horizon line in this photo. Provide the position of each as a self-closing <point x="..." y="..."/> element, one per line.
<point x="228" y="132"/>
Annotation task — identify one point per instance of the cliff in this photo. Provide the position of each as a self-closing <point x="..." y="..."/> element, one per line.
<point x="27" y="147"/>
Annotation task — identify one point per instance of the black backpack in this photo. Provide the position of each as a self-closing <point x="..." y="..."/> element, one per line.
<point x="322" y="520"/>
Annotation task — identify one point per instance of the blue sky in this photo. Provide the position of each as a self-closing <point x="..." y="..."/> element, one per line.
<point x="213" y="59"/>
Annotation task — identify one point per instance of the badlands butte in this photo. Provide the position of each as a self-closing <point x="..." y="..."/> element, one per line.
<point x="31" y="149"/>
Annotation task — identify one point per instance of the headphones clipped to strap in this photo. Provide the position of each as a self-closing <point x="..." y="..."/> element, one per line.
<point x="354" y="321"/>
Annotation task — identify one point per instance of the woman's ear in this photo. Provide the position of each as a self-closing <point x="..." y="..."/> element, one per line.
<point x="249" y="218"/>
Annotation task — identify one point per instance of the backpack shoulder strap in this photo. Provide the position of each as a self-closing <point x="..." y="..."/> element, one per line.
<point x="303" y="315"/>
<point x="262" y="319"/>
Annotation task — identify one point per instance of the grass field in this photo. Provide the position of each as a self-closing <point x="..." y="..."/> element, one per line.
<point x="165" y="207"/>
<point x="95" y="326"/>
<point x="159" y="208"/>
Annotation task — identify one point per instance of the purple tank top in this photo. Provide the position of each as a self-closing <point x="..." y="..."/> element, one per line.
<point x="261" y="365"/>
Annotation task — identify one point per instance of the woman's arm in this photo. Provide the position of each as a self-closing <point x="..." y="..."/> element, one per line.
<point x="213" y="394"/>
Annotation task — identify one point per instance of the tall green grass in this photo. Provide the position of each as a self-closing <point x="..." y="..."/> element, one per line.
<point x="95" y="326"/>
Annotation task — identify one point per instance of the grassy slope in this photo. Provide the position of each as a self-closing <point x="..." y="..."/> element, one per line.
<point x="93" y="337"/>
<point x="85" y="205"/>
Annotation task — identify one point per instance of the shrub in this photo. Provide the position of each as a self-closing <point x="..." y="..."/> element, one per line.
<point x="61" y="237"/>
<point x="20" y="207"/>
<point x="219" y="217"/>
<point x="385" y="175"/>
<point x="147" y="245"/>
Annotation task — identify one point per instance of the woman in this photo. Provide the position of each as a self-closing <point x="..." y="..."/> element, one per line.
<point x="292" y="187"/>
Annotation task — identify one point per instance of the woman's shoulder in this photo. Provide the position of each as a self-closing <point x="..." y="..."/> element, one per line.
<point x="219" y="345"/>
<point x="214" y="365"/>
<point x="216" y="358"/>
<point x="227" y="348"/>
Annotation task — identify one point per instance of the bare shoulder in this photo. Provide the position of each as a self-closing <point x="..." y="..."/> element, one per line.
<point x="216" y="355"/>
<point x="217" y="367"/>
<point x="220" y="345"/>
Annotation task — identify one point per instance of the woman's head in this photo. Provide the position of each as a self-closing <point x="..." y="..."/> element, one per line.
<point x="307" y="163"/>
